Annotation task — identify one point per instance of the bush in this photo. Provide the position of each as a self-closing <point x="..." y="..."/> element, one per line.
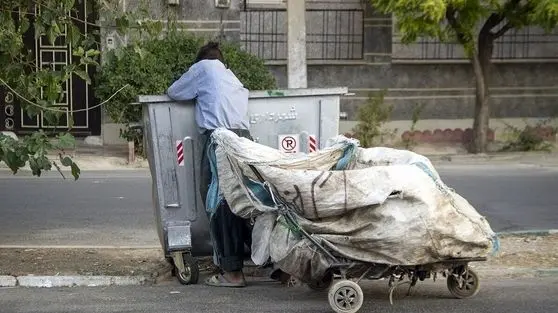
<point x="371" y="118"/>
<point x="408" y="143"/>
<point x="152" y="66"/>
<point x="528" y="138"/>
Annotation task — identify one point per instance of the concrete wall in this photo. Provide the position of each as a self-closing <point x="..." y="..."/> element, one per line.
<point x="445" y="90"/>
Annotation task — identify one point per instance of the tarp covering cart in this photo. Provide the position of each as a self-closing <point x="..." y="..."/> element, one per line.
<point x="352" y="213"/>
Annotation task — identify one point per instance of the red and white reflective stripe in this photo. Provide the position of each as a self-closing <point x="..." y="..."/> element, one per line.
<point x="180" y="152"/>
<point x="312" y="143"/>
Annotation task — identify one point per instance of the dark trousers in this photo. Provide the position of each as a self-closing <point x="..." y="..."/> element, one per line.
<point x="229" y="232"/>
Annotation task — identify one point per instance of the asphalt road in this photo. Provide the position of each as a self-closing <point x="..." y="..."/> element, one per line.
<point x="115" y="208"/>
<point x="509" y="296"/>
<point x="101" y="208"/>
<point x="516" y="197"/>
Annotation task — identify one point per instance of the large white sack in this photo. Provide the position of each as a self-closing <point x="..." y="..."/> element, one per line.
<point x="389" y="206"/>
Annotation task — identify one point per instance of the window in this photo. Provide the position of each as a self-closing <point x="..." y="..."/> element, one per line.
<point x="530" y="43"/>
<point x="331" y="34"/>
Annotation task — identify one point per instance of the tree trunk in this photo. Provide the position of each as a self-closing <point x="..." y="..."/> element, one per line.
<point x="481" y="66"/>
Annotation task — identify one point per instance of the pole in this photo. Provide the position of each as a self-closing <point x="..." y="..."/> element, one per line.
<point x="296" y="44"/>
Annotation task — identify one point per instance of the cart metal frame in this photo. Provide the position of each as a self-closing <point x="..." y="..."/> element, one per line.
<point x="344" y="275"/>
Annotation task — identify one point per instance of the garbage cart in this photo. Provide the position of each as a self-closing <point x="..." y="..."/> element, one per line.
<point x="293" y="121"/>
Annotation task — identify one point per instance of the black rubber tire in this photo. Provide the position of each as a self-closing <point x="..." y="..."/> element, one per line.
<point x="192" y="273"/>
<point x="470" y="287"/>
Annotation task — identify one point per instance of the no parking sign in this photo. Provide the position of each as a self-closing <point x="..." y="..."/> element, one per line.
<point x="289" y="143"/>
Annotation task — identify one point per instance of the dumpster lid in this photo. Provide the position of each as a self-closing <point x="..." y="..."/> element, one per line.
<point x="274" y="93"/>
<point x="302" y="92"/>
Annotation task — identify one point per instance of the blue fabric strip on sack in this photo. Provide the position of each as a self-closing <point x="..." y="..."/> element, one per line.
<point x="425" y="169"/>
<point x="346" y="158"/>
<point x="495" y="245"/>
<point x="213" y="197"/>
<point x="259" y="192"/>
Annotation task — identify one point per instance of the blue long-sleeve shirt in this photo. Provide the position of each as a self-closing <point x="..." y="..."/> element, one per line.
<point x="222" y="100"/>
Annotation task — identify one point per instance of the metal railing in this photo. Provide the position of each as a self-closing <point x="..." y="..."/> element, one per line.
<point x="330" y="34"/>
<point x="529" y="43"/>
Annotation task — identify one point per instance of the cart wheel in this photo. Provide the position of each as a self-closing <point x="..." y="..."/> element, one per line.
<point x="465" y="285"/>
<point x="345" y="296"/>
<point x="322" y="284"/>
<point x="191" y="272"/>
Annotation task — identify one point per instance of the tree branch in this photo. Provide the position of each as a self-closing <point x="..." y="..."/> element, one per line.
<point x="73" y="18"/>
<point x="69" y="15"/>
<point x="452" y="20"/>
<point x="493" y="20"/>
<point x="502" y="31"/>
<point x="496" y="18"/>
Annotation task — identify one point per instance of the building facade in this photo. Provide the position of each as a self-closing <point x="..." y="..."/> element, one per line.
<point x="349" y="44"/>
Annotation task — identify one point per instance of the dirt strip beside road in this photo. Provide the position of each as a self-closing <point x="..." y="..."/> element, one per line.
<point x="517" y="253"/>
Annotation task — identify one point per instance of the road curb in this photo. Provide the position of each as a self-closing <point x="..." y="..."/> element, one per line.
<point x="550" y="272"/>
<point x="535" y="232"/>
<point x="88" y="169"/>
<point x="516" y="272"/>
<point x="73" y="281"/>
<point x="104" y="281"/>
<point x="8" y="281"/>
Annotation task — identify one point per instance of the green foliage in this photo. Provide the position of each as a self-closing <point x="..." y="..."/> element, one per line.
<point x="528" y="138"/>
<point x="417" y="110"/>
<point x="371" y="118"/>
<point x="153" y="65"/>
<point x="460" y="20"/>
<point x="133" y="132"/>
<point x="39" y="87"/>
<point x="34" y="150"/>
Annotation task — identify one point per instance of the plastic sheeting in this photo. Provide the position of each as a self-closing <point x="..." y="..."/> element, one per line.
<point x="376" y="205"/>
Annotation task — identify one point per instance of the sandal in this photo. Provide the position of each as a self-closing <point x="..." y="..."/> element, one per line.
<point x="221" y="281"/>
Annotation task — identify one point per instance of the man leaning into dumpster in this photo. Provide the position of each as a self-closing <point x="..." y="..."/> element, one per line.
<point x="221" y="102"/>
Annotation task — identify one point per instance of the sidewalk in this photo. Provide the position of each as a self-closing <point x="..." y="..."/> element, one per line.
<point x="545" y="159"/>
<point x="97" y="158"/>
<point x="103" y="158"/>
<point x="531" y="158"/>
<point x="457" y="155"/>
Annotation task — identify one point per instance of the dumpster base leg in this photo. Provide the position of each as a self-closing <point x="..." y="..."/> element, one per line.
<point x="187" y="269"/>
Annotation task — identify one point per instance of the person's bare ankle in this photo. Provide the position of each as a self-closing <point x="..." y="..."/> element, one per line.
<point x="234" y="276"/>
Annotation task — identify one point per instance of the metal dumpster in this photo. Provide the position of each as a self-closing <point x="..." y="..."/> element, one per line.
<point x="294" y="121"/>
